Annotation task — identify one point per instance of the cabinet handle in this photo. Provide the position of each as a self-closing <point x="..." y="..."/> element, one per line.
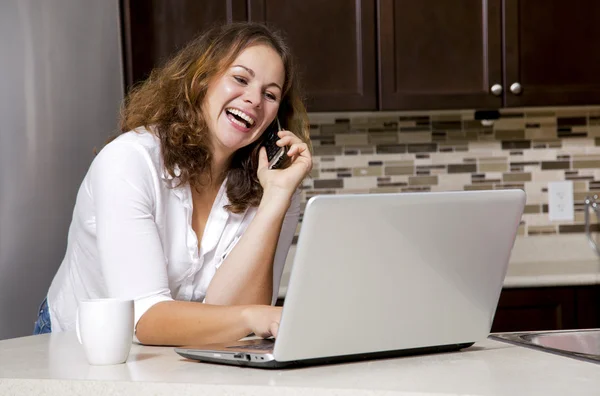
<point x="515" y="88"/>
<point x="496" y="89"/>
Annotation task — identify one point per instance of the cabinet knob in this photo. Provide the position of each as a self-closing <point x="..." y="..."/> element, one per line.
<point x="496" y="89"/>
<point x="515" y="88"/>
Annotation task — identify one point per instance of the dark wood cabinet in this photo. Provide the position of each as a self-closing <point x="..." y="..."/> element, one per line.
<point x="552" y="52"/>
<point x="439" y="54"/>
<point x="365" y="55"/>
<point x="153" y="30"/>
<point x="334" y="43"/>
<point x="548" y="308"/>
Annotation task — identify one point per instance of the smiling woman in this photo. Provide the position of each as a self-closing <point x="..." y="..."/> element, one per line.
<point x="181" y="212"/>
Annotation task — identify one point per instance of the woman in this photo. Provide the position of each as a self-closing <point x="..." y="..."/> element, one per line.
<point x="181" y="212"/>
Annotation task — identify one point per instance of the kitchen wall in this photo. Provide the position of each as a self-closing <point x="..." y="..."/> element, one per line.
<point x="450" y="150"/>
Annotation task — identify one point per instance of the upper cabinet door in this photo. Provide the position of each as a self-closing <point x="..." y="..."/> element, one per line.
<point x="440" y="54"/>
<point x="552" y="52"/>
<point x="153" y="30"/>
<point x="334" y="43"/>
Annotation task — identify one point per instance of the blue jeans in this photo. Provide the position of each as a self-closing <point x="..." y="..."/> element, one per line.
<point x="42" y="324"/>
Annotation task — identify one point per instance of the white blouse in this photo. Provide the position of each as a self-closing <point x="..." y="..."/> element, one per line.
<point x="131" y="235"/>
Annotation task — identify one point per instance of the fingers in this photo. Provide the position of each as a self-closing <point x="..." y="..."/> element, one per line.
<point x="274" y="329"/>
<point x="263" y="160"/>
<point x="287" y="138"/>
<point x="297" y="149"/>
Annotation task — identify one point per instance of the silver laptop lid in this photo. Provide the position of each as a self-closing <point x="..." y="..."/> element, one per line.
<point x="379" y="272"/>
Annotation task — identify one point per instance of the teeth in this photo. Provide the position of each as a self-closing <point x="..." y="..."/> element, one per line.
<point x="242" y="115"/>
<point x="240" y="123"/>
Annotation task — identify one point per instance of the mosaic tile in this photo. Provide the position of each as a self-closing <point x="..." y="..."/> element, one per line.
<point x="555" y="165"/>
<point x="571" y="228"/>
<point x="368" y="171"/>
<point x="542" y="121"/>
<point x="509" y="124"/>
<point x="380" y="190"/>
<point x="456" y="179"/>
<point x="468" y="115"/>
<point x="580" y="218"/>
<point x="363" y="150"/>
<point x="516" y="144"/>
<point x="569" y="121"/>
<point x="383" y="138"/>
<point x="586" y="164"/>
<point x="532" y="209"/>
<point x="414" y="137"/>
<point x="484" y="147"/>
<point x="493" y="159"/>
<point x="422" y="180"/>
<point x="541" y="155"/>
<point x="327" y="150"/>
<point x="493" y="167"/>
<point x="554" y="143"/>
<point x="410" y="163"/>
<point x="468" y="168"/>
<point x="581" y="185"/>
<point x="415" y="129"/>
<point x="581" y="128"/>
<point x="456" y="136"/>
<point x="390" y="148"/>
<point x="516" y="134"/>
<point x="377" y="152"/>
<point x="332" y="129"/>
<point x="593" y="131"/>
<point x="482" y="186"/>
<point x="540" y="113"/>
<point x="577" y="143"/>
<point x="360" y="183"/>
<point x="331" y="183"/>
<point x="516" y="177"/>
<point x="542" y="230"/>
<point x="351" y="139"/>
<point x="399" y="170"/>
<point x="422" y="148"/>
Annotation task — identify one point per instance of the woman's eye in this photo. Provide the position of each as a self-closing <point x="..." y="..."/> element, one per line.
<point x="270" y="96"/>
<point x="241" y="80"/>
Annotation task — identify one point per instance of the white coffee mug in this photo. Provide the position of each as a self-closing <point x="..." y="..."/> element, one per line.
<point x="105" y="329"/>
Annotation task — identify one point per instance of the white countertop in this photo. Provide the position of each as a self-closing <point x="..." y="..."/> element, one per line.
<point x="553" y="273"/>
<point x="55" y="364"/>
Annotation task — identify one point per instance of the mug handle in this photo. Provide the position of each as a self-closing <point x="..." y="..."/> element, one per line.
<point x="77" y="326"/>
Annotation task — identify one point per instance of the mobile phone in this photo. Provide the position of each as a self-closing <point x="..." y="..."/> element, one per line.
<point x="275" y="154"/>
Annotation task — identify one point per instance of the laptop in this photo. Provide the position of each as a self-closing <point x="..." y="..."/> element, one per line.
<point x="387" y="275"/>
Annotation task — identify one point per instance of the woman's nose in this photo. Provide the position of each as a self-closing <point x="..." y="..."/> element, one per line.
<point x="253" y="97"/>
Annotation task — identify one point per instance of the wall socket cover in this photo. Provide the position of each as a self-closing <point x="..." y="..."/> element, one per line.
<point x="560" y="201"/>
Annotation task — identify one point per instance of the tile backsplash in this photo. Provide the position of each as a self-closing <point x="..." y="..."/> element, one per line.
<point x="524" y="148"/>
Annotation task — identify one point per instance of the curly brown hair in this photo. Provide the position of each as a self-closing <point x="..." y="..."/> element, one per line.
<point x="169" y="103"/>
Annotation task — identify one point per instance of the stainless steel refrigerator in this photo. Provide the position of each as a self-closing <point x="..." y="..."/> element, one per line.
<point x="61" y="85"/>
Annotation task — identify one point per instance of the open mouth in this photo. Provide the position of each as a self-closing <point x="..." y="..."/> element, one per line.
<point x="239" y="118"/>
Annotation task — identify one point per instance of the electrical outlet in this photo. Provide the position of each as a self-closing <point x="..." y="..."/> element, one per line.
<point x="560" y="200"/>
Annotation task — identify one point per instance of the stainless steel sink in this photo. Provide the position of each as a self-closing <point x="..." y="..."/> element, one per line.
<point x="578" y="344"/>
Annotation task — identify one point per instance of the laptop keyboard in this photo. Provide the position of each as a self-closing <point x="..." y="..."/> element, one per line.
<point x="265" y="345"/>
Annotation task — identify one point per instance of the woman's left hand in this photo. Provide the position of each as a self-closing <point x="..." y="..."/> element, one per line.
<point x="287" y="179"/>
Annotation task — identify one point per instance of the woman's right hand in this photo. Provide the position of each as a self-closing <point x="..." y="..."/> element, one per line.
<point x="263" y="320"/>
<point x="290" y="178"/>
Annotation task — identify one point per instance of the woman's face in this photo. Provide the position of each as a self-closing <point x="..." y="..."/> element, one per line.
<point x="240" y="104"/>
